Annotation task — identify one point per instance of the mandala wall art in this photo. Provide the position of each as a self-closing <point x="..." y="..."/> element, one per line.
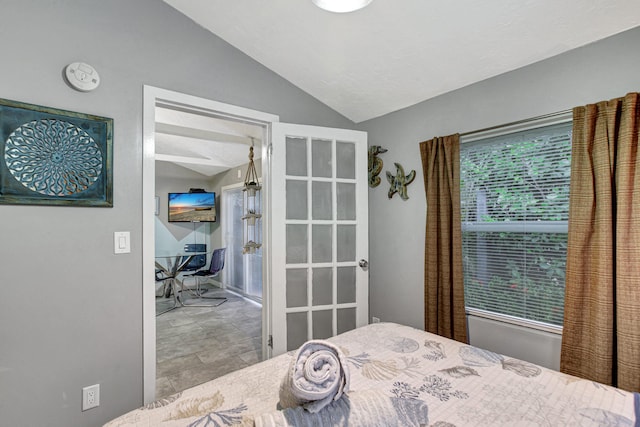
<point x="54" y="157"/>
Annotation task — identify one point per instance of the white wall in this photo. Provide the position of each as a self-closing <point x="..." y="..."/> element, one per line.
<point x="603" y="70"/>
<point x="71" y="310"/>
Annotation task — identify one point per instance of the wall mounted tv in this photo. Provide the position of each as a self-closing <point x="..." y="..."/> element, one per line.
<point x="192" y="207"/>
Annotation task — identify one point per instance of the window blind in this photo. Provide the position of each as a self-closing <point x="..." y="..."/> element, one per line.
<point x="515" y="206"/>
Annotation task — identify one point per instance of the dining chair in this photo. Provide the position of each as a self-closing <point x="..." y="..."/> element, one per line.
<point x="215" y="267"/>
<point x="163" y="283"/>
<point x="197" y="261"/>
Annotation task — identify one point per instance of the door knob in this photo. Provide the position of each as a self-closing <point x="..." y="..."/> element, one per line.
<point x="363" y="263"/>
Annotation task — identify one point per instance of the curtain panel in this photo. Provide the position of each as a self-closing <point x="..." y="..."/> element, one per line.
<point x="601" y="333"/>
<point x="444" y="288"/>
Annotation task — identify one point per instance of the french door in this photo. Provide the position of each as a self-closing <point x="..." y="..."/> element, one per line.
<point x="319" y="209"/>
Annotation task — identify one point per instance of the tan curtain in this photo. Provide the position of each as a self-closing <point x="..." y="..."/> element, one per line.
<point x="601" y="335"/>
<point x="444" y="291"/>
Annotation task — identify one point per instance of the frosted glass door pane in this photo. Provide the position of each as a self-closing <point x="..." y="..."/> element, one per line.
<point x="254" y="279"/>
<point x="346" y="160"/>
<point x="296" y="287"/>
<point x="322" y="286"/>
<point x="296" y="330"/>
<point x="321" y="248"/>
<point x="296" y="156"/>
<point x="296" y="244"/>
<point x="346" y="196"/>
<point x="322" y="324"/>
<point x="296" y="199"/>
<point x="346" y="243"/>
<point x="321" y="158"/>
<point x="346" y="285"/>
<point x="321" y="200"/>
<point x="346" y="319"/>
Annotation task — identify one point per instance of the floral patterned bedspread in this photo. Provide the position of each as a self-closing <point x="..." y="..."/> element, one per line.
<point x="452" y="384"/>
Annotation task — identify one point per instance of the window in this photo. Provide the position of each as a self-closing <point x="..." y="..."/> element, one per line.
<point x="515" y="207"/>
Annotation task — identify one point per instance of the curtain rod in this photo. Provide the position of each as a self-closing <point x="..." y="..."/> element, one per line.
<point x="520" y="122"/>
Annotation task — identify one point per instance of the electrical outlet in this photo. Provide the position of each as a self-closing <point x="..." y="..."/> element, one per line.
<point x="375" y="320"/>
<point x="90" y="397"/>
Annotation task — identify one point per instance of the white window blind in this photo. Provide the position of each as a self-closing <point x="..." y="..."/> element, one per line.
<point x="515" y="205"/>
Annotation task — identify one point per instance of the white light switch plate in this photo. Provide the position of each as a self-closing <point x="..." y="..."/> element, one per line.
<point x="121" y="242"/>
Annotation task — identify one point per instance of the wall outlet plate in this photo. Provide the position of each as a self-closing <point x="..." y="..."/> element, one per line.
<point x="90" y="396"/>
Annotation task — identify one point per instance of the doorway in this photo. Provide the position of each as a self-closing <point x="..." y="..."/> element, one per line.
<point x="159" y="98"/>
<point x="315" y="279"/>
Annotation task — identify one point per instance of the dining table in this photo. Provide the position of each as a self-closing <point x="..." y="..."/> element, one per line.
<point x="170" y="264"/>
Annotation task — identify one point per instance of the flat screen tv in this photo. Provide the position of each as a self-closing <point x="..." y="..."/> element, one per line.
<point x="192" y="207"/>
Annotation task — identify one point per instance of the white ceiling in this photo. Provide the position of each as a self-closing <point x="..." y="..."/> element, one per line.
<point x="396" y="53"/>
<point x="203" y="144"/>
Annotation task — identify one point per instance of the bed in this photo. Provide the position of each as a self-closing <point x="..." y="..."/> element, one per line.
<point x="443" y="383"/>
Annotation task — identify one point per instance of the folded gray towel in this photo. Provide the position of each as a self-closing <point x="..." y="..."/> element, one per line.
<point x="365" y="408"/>
<point x="317" y="376"/>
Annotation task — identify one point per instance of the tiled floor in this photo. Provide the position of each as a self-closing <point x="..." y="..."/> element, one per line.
<point x="195" y="345"/>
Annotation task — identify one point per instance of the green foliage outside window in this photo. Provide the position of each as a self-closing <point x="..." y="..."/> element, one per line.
<point x="514" y="193"/>
<point x="524" y="280"/>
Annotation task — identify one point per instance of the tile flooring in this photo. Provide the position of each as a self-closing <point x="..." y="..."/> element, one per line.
<point x="195" y="345"/>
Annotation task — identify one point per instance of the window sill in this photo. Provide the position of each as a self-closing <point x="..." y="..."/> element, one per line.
<point x="530" y="324"/>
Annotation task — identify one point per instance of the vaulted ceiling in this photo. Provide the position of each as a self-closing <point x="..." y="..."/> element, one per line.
<point x="388" y="56"/>
<point x="396" y="53"/>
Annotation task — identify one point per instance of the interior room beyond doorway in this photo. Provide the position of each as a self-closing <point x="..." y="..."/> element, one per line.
<point x="201" y="155"/>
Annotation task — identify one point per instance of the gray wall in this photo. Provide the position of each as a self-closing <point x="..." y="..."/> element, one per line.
<point x="604" y="70"/>
<point x="71" y="311"/>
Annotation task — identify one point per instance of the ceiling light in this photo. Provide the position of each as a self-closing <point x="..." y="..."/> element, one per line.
<point x="341" y="6"/>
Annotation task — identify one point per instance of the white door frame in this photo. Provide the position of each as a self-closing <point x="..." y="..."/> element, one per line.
<point x="153" y="96"/>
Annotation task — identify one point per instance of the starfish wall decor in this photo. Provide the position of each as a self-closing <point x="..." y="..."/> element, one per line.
<point x="399" y="181"/>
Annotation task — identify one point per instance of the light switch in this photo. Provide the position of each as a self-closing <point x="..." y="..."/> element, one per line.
<point x="121" y="242"/>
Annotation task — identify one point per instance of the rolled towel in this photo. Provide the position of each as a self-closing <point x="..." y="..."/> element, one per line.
<point x="317" y="376"/>
<point x="364" y="408"/>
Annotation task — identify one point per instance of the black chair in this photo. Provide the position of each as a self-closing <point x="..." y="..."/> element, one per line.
<point x="215" y="267"/>
<point x="161" y="276"/>
<point x="198" y="261"/>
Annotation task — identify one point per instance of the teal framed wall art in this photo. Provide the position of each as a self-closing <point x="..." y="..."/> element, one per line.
<point x="54" y="157"/>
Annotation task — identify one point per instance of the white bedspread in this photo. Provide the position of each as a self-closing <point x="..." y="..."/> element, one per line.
<point x="360" y="408"/>
<point x="451" y="384"/>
